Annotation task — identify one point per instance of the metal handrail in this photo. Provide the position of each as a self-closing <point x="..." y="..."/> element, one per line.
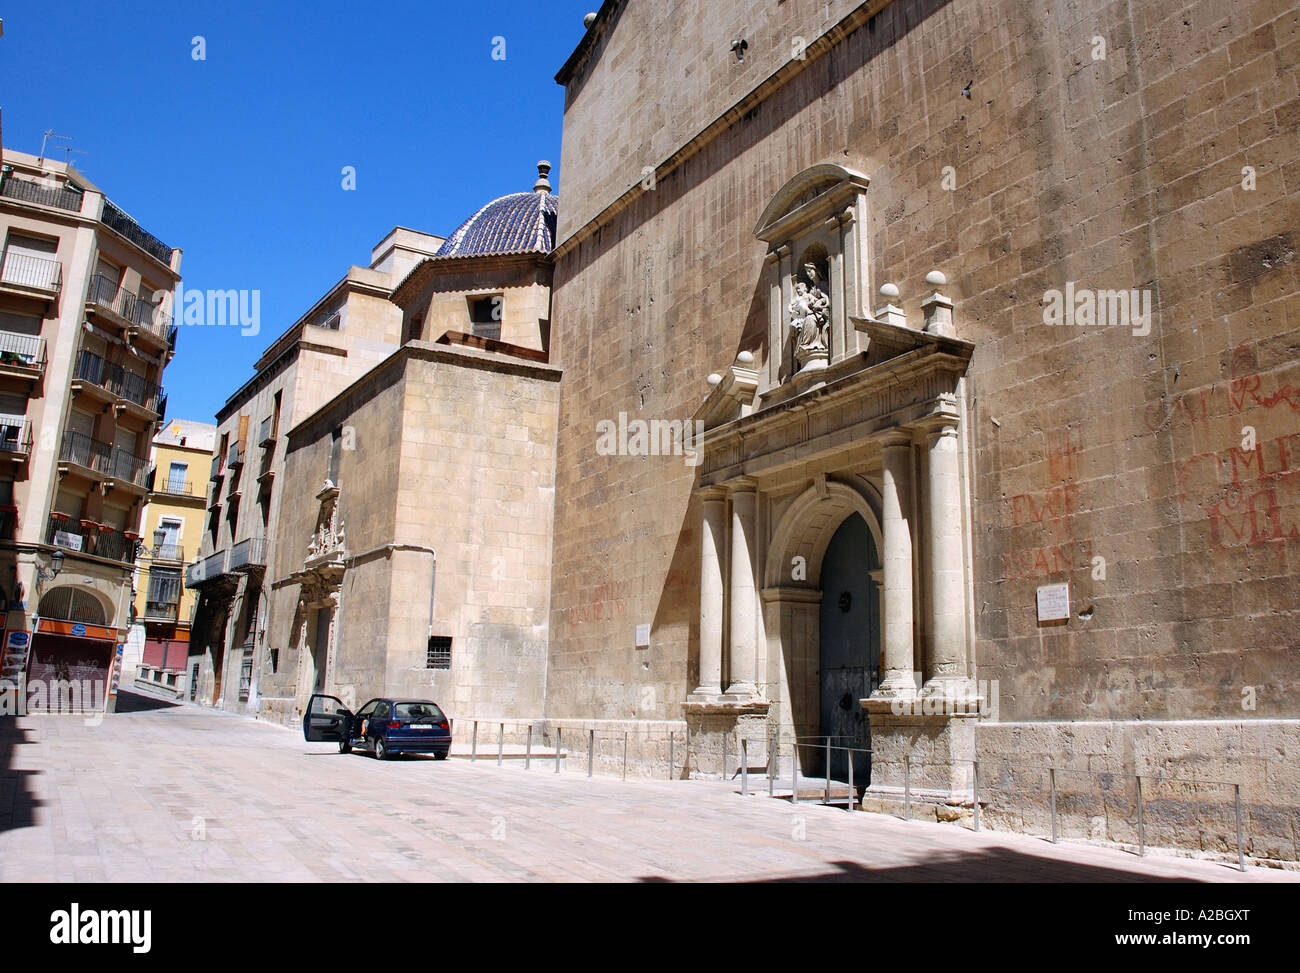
<point x="25" y="270"/>
<point x="35" y="191"/>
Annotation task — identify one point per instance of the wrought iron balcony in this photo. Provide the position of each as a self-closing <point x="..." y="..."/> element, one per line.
<point x="15" y="436"/>
<point x="168" y="552"/>
<point x="122" y="383"/>
<point x="104" y="458"/>
<point x="248" y="554"/>
<point x="235" y="456"/>
<point x="101" y="540"/>
<point x="205" y="570"/>
<point x="117" y="220"/>
<point x="22" y="351"/>
<point x="218" y="467"/>
<point x="177" y="488"/>
<point x="104" y="292"/>
<point x="40" y="191"/>
<point x="266" y="435"/>
<point x="161" y="611"/>
<point x="31" y="273"/>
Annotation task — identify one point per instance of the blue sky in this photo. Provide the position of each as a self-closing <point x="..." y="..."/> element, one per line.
<point x="238" y="158"/>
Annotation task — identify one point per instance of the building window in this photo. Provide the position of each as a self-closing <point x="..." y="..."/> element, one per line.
<point x="176" y="477"/>
<point x="336" y="450"/>
<point x="329" y="322"/>
<point x="485" y="316"/>
<point x="438" y="655"/>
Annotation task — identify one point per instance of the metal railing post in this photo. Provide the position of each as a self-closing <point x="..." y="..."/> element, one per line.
<point x="773" y="766"/>
<point x="528" y="752"/>
<point x="794" y="771"/>
<point x="473" y="744"/>
<point x="1236" y="800"/>
<point x="559" y="740"/>
<point x="851" y="792"/>
<point x="591" y="750"/>
<point x="1142" y="835"/>
<point x="672" y="746"/>
<point x="976" y="792"/>
<point x="625" y="754"/>
<point x="1051" y="775"/>
<point x="744" y="767"/>
<point x="907" y="787"/>
<point x="826" y="797"/>
<point x="501" y="742"/>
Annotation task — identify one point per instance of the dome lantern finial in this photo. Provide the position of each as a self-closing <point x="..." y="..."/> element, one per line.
<point x="543" y="185"/>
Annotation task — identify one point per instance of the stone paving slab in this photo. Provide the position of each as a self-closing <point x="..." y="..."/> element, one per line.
<point x="182" y="793"/>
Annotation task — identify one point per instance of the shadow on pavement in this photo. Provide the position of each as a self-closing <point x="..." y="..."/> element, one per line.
<point x="17" y="802"/>
<point x="135" y="703"/>
<point x="990" y="865"/>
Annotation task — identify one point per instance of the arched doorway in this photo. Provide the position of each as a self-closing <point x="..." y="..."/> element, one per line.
<point x="849" y="644"/>
<point x="826" y="545"/>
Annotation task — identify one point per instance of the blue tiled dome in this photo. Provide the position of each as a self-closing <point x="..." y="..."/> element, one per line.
<point x="518" y="223"/>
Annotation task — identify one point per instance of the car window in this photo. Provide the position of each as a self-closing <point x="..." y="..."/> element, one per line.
<point x="368" y="708"/>
<point x="325" y="706"/>
<point x="418" y="711"/>
<point x="381" y="711"/>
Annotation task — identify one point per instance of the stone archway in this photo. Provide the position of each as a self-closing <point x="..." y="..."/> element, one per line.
<point x="792" y="596"/>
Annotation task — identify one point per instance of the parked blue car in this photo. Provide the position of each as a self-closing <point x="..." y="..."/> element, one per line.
<point x="384" y="727"/>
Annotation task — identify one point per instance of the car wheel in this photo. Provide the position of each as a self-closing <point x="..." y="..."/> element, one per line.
<point x="381" y="749"/>
<point x="440" y="755"/>
<point x="345" y="746"/>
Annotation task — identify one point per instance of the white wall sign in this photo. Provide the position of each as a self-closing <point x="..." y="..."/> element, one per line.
<point x="643" y="636"/>
<point x="1054" y="602"/>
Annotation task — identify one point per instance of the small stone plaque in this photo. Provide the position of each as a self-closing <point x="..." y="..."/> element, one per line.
<point x="643" y="636"/>
<point x="1054" y="602"/>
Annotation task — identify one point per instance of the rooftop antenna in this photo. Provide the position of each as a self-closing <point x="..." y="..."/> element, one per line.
<point x="68" y="152"/>
<point x="50" y="134"/>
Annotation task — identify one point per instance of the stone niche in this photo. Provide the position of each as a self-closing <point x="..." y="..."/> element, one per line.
<point x="816" y="272"/>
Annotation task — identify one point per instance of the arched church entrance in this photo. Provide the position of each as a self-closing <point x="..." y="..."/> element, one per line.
<point x="849" y="639"/>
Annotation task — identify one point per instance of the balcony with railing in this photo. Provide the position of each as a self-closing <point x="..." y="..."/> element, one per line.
<point x="266" y="434"/>
<point x="177" y="487"/>
<point x="235" y="456"/>
<point x="41" y="191"/>
<point x="118" y="221"/>
<point x="21" y="355"/>
<point x="86" y="537"/>
<point x="119" y="382"/>
<point x="161" y="611"/>
<point x="151" y="319"/>
<point x="15" y="437"/>
<point x="28" y="274"/>
<point x="167" y="552"/>
<point x="248" y="555"/>
<point x="104" y="294"/>
<point x="108" y="461"/>
<point x="208" y="569"/>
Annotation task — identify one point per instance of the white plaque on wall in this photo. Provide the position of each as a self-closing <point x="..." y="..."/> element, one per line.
<point x="643" y="636"/>
<point x="1054" y="602"/>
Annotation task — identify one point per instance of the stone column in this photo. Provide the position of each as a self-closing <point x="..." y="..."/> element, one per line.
<point x="946" y="557"/>
<point x="744" y="617"/>
<point x="712" y="532"/>
<point x="896" y="502"/>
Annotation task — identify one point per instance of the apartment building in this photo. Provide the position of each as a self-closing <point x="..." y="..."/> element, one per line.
<point x="173" y="522"/>
<point x="345" y="334"/>
<point x="85" y="333"/>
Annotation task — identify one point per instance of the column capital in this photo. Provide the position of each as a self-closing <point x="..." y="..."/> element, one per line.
<point x="712" y="494"/>
<point x="897" y="438"/>
<point x="741" y="484"/>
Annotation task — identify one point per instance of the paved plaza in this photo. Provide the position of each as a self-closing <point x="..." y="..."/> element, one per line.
<point x="167" y="792"/>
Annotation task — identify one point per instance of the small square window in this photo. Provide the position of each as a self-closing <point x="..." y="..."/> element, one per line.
<point x="485" y="316"/>
<point x="439" y="652"/>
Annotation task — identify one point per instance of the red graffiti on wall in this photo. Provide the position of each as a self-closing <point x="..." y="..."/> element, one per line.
<point x="1245" y="492"/>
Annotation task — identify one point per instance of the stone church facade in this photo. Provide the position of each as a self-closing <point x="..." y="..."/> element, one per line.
<point x="849" y="151"/>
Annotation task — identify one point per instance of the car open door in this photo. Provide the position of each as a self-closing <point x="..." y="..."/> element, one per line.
<point x="326" y="719"/>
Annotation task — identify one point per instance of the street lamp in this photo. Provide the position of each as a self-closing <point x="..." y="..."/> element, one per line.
<point x="159" y="539"/>
<point x="56" y="565"/>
